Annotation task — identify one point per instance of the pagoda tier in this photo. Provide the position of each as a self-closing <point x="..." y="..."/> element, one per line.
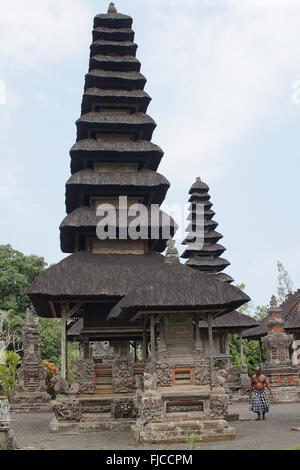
<point x="149" y="186"/>
<point x="87" y="152"/>
<point x="203" y="251"/>
<point x="113" y="155"/>
<point x="80" y="226"/>
<point x="119" y="63"/>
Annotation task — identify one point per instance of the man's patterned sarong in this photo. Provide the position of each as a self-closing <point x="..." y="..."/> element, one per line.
<point x="260" y="402"/>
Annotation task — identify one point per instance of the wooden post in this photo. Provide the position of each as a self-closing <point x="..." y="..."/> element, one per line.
<point x="242" y="350"/>
<point x="66" y="314"/>
<point x="144" y="346"/>
<point x="152" y="344"/>
<point x="211" y="347"/>
<point x="197" y="334"/>
<point x="64" y="350"/>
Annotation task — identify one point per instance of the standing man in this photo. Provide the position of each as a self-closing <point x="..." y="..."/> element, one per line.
<point x="260" y="401"/>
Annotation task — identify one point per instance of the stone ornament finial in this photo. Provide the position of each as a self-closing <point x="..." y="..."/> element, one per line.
<point x="112" y="8"/>
<point x="273" y="302"/>
<point x="198" y="179"/>
<point x="172" y="255"/>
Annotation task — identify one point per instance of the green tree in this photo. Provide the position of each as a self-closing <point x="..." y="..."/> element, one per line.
<point x="8" y="374"/>
<point x="50" y="330"/>
<point x="285" y="284"/>
<point x="17" y="272"/>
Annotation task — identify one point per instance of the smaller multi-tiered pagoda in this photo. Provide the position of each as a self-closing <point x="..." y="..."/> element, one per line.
<point x="203" y="251"/>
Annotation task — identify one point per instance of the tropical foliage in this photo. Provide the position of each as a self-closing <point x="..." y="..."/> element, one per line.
<point x="8" y="374"/>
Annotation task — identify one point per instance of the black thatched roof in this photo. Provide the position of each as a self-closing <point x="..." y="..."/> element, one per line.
<point x="113" y="47"/>
<point x="91" y="277"/>
<point x="115" y="79"/>
<point x="75" y="329"/>
<point x="209" y="236"/>
<point x="146" y="182"/>
<point x="108" y="95"/>
<point x="225" y="277"/>
<point x="199" y="186"/>
<point x="138" y="123"/>
<point x="177" y="288"/>
<point x="118" y="183"/>
<point x="111" y="34"/>
<point x="293" y="321"/>
<point x="111" y="62"/>
<point x="209" y="264"/>
<point x="214" y="249"/>
<point x="112" y="20"/>
<point x="142" y="151"/>
<point x="84" y="220"/>
<point x="232" y="322"/>
<point x="258" y="332"/>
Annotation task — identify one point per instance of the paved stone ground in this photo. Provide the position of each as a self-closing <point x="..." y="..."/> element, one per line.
<point x="32" y="433"/>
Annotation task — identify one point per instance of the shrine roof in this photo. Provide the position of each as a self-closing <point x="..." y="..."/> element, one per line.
<point x="179" y="288"/>
<point x="88" y="276"/>
<point x="233" y="321"/>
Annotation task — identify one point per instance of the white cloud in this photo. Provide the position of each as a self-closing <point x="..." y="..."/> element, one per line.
<point x="34" y="31"/>
<point x="227" y="68"/>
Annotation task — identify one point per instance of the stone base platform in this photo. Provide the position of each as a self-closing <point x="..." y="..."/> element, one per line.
<point x="286" y="394"/>
<point x="180" y="412"/>
<point x="33" y="402"/>
<point x="90" y="424"/>
<point x="114" y="412"/>
<point x="182" y="431"/>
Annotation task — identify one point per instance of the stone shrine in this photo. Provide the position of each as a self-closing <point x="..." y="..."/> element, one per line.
<point x="283" y="375"/>
<point x="31" y="395"/>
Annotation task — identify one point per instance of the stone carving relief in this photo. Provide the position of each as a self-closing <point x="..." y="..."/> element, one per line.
<point x="124" y="408"/>
<point x="83" y="374"/>
<point x="164" y="370"/>
<point x="201" y="369"/>
<point x="66" y="406"/>
<point x="219" y="403"/>
<point x="151" y="409"/>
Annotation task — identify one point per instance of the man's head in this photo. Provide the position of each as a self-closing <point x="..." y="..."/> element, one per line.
<point x="258" y="371"/>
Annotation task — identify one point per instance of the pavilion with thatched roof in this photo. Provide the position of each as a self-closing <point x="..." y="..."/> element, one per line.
<point x="113" y="159"/>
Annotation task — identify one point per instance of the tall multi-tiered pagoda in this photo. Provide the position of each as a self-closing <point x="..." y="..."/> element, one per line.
<point x="112" y="158"/>
<point x="204" y="251"/>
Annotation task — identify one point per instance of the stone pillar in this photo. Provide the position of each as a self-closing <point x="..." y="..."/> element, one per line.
<point x="211" y="346"/>
<point x="7" y="440"/>
<point x="197" y="345"/>
<point x="122" y="368"/>
<point x="144" y="346"/>
<point x="64" y="346"/>
<point x="162" y="343"/>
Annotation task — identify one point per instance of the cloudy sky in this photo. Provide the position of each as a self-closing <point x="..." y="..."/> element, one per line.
<point x="224" y="76"/>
